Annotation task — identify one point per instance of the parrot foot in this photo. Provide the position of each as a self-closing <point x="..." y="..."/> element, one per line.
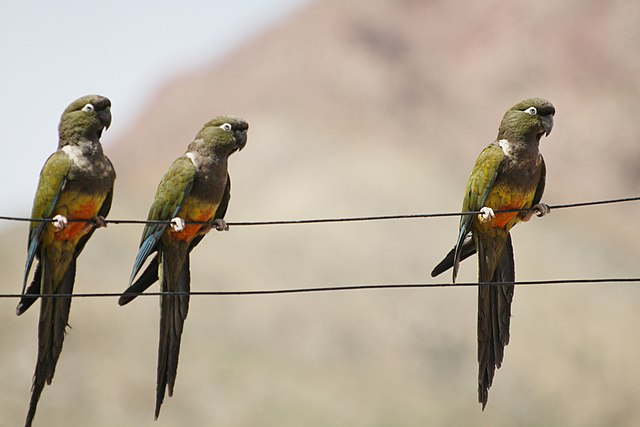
<point x="540" y="209"/>
<point x="100" y="222"/>
<point x="59" y="222"/>
<point x="486" y="214"/>
<point x="177" y="224"/>
<point x="221" y="224"/>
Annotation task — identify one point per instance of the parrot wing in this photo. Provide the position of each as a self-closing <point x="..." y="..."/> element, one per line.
<point x="150" y="274"/>
<point x="172" y="192"/>
<point x="540" y="188"/>
<point x="52" y="181"/>
<point x="31" y="294"/>
<point x="221" y="211"/>
<point x="468" y="249"/>
<point x="481" y="181"/>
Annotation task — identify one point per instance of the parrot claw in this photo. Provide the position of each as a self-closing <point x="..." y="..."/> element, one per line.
<point x="221" y="224"/>
<point x="59" y="222"/>
<point x="486" y="214"/>
<point x="177" y="224"/>
<point x="540" y="209"/>
<point x="100" y="222"/>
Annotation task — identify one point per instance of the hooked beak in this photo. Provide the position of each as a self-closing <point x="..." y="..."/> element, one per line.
<point x="547" y="124"/>
<point x="105" y="117"/>
<point x="241" y="138"/>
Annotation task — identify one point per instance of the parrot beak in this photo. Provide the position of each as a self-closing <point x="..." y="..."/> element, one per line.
<point x="105" y="117"/>
<point x="547" y="123"/>
<point x="241" y="138"/>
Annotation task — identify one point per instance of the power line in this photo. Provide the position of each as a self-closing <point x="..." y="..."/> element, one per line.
<point x="361" y="287"/>
<point x="427" y="215"/>
<point x="345" y="287"/>
<point x="335" y="220"/>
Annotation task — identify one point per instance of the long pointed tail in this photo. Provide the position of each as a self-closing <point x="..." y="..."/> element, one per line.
<point x="173" y="312"/>
<point x="494" y="317"/>
<point x="54" y="315"/>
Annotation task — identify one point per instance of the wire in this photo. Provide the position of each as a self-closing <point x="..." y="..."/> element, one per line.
<point x="335" y="220"/>
<point x="338" y="288"/>
<point x="334" y="288"/>
<point x="426" y="215"/>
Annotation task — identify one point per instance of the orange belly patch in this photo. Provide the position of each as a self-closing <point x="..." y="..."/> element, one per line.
<point x="191" y="230"/>
<point x="75" y="230"/>
<point x="502" y="219"/>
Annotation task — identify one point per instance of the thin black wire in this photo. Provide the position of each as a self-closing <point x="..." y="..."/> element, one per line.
<point x="339" y="288"/>
<point x="428" y="215"/>
<point x="335" y="220"/>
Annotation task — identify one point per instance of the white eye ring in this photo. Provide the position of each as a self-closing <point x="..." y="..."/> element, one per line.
<point x="225" y="126"/>
<point x="88" y="108"/>
<point x="531" y="110"/>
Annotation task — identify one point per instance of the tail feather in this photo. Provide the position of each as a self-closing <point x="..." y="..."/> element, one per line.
<point x="468" y="249"/>
<point x="32" y="292"/>
<point x="54" y="316"/>
<point x="146" y="279"/>
<point x="173" y="312"/>
<point x="494" y="316"/>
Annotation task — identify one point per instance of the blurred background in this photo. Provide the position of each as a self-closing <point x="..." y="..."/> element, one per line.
<point x="355" y="109"/>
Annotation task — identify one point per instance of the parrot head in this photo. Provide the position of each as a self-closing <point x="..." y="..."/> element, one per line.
<point x="224" y="134"/>
<point x="528" y="120"/>
<point x="85" y="118"/>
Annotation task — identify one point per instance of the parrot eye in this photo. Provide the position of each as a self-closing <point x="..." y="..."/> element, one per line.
<point x="88" y="108"/>
<point x="225" y="126"/>
<point x="531" y="110"/>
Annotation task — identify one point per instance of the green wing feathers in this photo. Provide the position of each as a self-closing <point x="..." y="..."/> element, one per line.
<point x="173" y="189"/>
<point x="170" y="196"/>
<point x="484" y="174"/>
<point x="482" y="177"/>
<point x="52" y="180"/>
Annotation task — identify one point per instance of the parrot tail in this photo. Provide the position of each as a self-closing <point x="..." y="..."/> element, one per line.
<point x="173" y="312"/>
<point x="146" y="279"/>
<point x="494" y="317"/>
<point x="468" y="249"/>
<point x="54" y="316"/>
<point x="31" y="294"/>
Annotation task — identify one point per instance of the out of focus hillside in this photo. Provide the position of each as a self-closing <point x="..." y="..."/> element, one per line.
<point x="368" y="109"/>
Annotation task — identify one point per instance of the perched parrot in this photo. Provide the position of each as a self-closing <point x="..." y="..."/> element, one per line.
<point x="508" y="174"/>
<point x="195" y="188"/>
<point x="76" y="182"/>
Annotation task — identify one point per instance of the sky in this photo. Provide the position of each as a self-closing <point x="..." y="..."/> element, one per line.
<point x="54" y="52"/>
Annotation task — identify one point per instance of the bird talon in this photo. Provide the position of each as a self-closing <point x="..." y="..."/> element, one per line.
<point x="59" y="222"/>
<point x="486" y="214"/>
<point x="221" y="224"/>
<point x="177" y="224"/>
<point x="99" y="221"/>
<point x="542" y="209"/>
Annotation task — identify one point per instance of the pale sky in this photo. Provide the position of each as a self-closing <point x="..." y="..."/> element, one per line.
<point x="54" y="52"/>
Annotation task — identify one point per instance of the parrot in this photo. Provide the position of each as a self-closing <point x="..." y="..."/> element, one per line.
<point x="196" y="187"/>
<point x="510" y="173"/>
<point x="76" y="182"/>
